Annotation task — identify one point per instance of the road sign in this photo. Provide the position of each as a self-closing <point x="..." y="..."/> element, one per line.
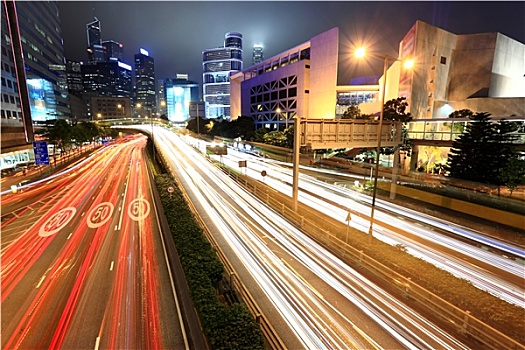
<point x="171" y="189"/>
<point x="41" y="155"/>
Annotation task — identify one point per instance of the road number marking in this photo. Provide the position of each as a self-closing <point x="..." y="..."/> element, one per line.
<point x="100" y="214"/>
<point x="138" y="209"/>
<point x="57" y="222"/>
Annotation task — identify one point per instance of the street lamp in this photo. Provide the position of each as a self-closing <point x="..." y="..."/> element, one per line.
<point x="360" y="53"/>
<point x="296" y="159"/>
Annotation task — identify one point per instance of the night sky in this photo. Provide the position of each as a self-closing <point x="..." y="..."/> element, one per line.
<point x="176" y="32"/>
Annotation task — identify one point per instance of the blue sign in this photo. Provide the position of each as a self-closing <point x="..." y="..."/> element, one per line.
<point x="41" y="154"/>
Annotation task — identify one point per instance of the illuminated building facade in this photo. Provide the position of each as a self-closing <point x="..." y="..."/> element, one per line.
<point x="258" y="54"/>
<point x="33" y="73"/>
<point x="179" y="94"/>
<point x="145" y="83"/>
<point x="217" y="66"/>
<point x="302" y="81"/>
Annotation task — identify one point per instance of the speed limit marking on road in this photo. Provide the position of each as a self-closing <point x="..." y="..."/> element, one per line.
<point x="138" y="209"/>
<point x="100" y="214"/>
<point x="57" y="222"/>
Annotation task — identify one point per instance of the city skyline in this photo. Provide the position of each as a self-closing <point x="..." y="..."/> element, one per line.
<point x="175" y="33"/>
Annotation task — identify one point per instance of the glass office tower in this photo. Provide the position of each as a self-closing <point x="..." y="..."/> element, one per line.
<point x="217" y="65"/>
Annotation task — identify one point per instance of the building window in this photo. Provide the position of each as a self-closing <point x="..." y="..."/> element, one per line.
<point x="443" y="60"/>
<point x="3" y="81"/>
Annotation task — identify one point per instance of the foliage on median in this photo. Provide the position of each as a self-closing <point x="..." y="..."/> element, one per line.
<point x="225" y="327"/>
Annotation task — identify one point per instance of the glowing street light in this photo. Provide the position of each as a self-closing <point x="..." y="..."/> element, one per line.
<point x="408" y="64"/>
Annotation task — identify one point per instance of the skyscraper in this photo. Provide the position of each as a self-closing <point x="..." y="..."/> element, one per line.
<point x="145" y="83"/>
<point x="33" y="64"/>
<point x="161" y="97"/>
<point x="217" y="65"/>
<point x="113" y="50"/>
<point x="96" y="52"/>
<point x="111" y="79"/>
<point x="258" y="54"/>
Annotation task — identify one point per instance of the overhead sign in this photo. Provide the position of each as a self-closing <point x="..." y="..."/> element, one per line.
<point x="41" y="154"/>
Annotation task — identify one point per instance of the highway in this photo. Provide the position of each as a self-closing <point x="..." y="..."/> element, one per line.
<point x="321" y="301"/>
<point x="83" y="265"/>
<point x="496" y="273"/>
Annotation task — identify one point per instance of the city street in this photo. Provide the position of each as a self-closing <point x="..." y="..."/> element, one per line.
<point x="82" y="262"/>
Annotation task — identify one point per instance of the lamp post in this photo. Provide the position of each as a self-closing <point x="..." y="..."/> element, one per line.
<point x="198" y="126"/>
<point x="408" y="64"/>
<point x="296" y="158"/>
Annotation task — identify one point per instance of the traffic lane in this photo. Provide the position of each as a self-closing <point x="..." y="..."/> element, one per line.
<point x="296" y="293"/>
<point x="402" y="321"/>
<point x="30" y="244"/>
<point x="78" y="224"/>
<point x="99" y="217"/>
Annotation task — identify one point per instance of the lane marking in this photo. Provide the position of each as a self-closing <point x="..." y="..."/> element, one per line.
<point x="111" y="267"/>
<point x="40" y="283"/>
<point x="97" y="343"/>
<point x="68" y="237"/>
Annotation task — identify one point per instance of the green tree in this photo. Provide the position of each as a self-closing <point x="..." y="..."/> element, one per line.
<point x="276" y="138"/>
<point x="462" y="113"/>
<point x="395" y="110"/>
<point x="513" y="174"/>
<point x="58" y="132"/>
<point x="258" y="135"/>
<point x="482" y="152"/>
<point x="470" y="158"/>
<point x="289" y="134"/>
<point x="79" y="133"/>
<point x="352" y="112"/>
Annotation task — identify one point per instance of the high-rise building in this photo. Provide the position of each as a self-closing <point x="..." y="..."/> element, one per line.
<point x="107" y="79"/>
<point x="161" y="97"/>
<point x="258" y="54"/>
<point x="96" y="52"/>
<point x="145" y="84"/>
<point x="217" y="65"/>
<point x="111" y="79"/>
<point x="113" y="50"/>
<point x="74" y="77"/>
<point x="180" y="92"/>
<point x="33" y="73"/>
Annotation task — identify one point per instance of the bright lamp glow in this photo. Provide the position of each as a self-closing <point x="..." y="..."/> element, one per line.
<point x="360" y="52"/>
